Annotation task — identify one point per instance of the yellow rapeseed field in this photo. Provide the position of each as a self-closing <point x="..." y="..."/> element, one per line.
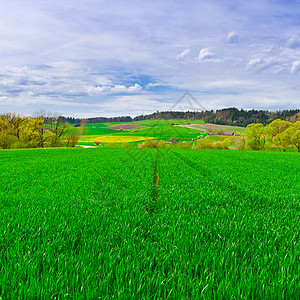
<point x="114" y="139"/>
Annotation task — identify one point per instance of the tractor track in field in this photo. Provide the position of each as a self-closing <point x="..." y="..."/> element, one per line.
<point x="155" y="187"/>
<point x="225" y="183"/>
<point x="155" y="176"/>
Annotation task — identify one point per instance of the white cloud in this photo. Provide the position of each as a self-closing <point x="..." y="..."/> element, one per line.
<point x="254" y="62"/>
<point x="135" y="88"/>
<point x="122" y="88"/>
<point x="295" y="67"/>
<point x="113" y="89"/>
<point x="132" y="105"/>
<point x="98" y="89"/>
<point x="264" y="63"/>
<point x="151" y="84"/>
<point x="228" y="83"/>
<point x="233" y="37"/>
<point x="74" y="53"/>
<point x="205" y="54"/>
<point x="183" y="53"/>
<point x="293" y="43"/>
<point x="119" y="88"/>
<point x="102" y="80"/>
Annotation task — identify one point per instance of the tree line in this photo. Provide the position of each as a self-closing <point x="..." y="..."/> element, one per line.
<point x="228" y="116"/>
<point x="279" y="133"/>
<point x="17" y="131"/>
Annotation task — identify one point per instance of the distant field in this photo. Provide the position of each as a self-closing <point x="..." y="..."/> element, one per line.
<point x="158" y="122"/>
<point x="117" y="132"/>
<point x="98" y="129"/>
<point x="167" y="132"/>
<point x="146" y="224"/>
<point x="215" y="127"/>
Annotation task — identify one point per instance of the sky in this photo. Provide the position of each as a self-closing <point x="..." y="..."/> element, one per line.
<point x="92" y="58"/>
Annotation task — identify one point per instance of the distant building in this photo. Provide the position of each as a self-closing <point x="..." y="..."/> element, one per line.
<point x="172" y="141"/>
<point x="229" y="133"/>
<point x="97" y="143"/>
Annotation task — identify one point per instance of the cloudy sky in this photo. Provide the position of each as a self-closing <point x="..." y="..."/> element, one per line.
<point x="107" y="58"/>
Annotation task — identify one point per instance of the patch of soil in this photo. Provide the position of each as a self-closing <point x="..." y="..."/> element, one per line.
<point x="206" y="126"/>
<point x="197" y="126"/>
<point x="123" y="126"/>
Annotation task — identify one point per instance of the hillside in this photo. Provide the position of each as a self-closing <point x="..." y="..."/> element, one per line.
<point x="227" y="116"/>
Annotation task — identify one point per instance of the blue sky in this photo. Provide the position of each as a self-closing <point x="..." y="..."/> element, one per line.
<point x="108" y="58"/>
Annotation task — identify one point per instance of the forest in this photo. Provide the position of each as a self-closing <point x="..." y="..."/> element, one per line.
<point x="227" y="116"/>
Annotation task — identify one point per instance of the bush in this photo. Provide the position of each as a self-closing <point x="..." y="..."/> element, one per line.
<point x="237" y="143"/>
<point x="72" y="139"/>
<point x="162" y="144"/>
<point x="183" y="145"/>
<point x="125" y="145"/>
<point x="204" y="144"/>
<point x="112" y="145"/>
<point x="7" y="140"/>
<point x="150" y="144"/>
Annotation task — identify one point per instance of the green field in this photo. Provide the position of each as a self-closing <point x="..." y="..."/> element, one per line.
<point x="154" y="129"/>
<point x="166" y="132"/>
<point x="147" y="224"/>
<point x="158" y="122"/>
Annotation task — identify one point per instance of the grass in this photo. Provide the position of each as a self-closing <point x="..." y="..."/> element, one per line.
<point x="234" y="224"/>
<point x="65" y="215"/>
<point x="148" y="224"/>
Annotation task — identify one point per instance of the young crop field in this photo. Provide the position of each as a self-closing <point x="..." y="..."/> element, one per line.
<point x="233" y="219"/>
<point x="149" y="224"/>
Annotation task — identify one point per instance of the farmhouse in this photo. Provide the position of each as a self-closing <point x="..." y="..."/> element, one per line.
<point x="229" y="133"/>
<point x="172" y="141"/>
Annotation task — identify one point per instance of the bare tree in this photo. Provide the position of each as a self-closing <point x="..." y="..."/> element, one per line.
<point x="82" y="128"/>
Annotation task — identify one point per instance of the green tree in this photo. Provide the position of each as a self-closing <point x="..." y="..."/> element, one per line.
<point x="16" y="124"/>
<point x="82" y="128"/>
<point x="255" y="136"/>
<point x="6" y="138"/>
<point x="30" y="132"/>
<point x="291" y="136"/>
<point x="3" y="124"/>
<point x="275" y="132"/>
<point x="72" y="139"/>
<point x="58" y="130"/>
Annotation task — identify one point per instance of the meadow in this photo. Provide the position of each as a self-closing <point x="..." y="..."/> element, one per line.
<point x="149" y="224"/>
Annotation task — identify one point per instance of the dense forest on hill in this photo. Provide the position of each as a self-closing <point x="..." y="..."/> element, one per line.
<point x="227" y="116"/>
